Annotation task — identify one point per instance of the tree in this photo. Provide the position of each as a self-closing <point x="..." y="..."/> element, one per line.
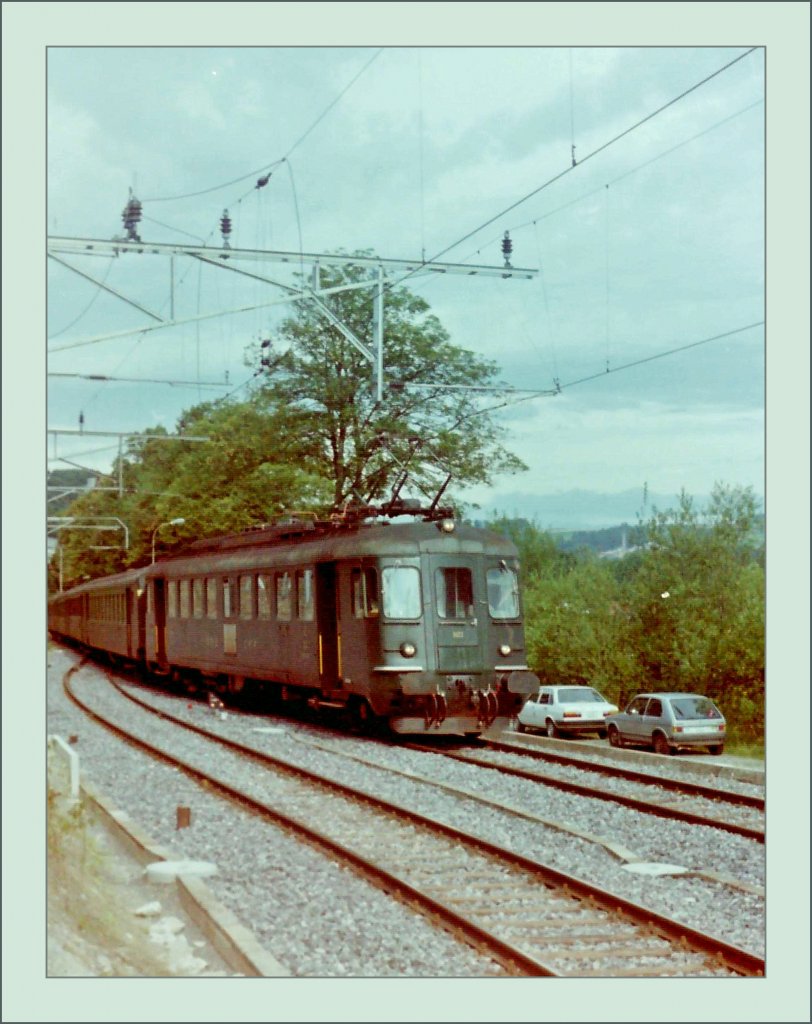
<point x="255" y="465"/>
<point x="576" y="627"/>
<point x="697" y="600"/>
<point x="326" y="384"/>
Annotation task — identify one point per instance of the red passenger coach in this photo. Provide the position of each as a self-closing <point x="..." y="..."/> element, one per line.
<point x="412" y="620"/>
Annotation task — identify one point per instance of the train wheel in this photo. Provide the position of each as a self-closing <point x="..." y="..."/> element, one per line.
<point x="363" y="715"/>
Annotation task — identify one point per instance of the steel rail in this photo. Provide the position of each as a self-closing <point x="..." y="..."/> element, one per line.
<point x="673" y="931"/>
<point x="681" y="785"/>
<point x="637" y="803"/>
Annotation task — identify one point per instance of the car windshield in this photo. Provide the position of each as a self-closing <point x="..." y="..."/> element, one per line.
<point x="579" y="696"/>
<point x="694" y="707"/>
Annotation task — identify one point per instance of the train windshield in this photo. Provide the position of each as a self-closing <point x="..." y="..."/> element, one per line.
<point x="401" y="592"/>
<point x="455" y="593"/>
<point x="503" y="593"/>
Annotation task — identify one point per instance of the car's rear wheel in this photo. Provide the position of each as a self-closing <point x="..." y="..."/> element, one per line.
<point x="551" y="729"/>
<point x="602" y="734"/>
<point x="661" y="744"/>
<point x="716" y="748"/>
<point x="614" y="736"/>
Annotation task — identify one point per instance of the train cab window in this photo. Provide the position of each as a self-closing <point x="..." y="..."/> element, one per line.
<point x="211" y="597"/>
<point x="455" y="593"/>
<point x="503" y="593"/>
<point x="229" y="598"/>
<point x="246" y="597"/>
<point x="401" y="592"/>
<point x="264" y="596"/>
<point x="197" y="598"/>
<point x="284" y="597"/>
<point x="304" y="594"/>
<point x="185" y="598"/>
<point x="364" y="593"/>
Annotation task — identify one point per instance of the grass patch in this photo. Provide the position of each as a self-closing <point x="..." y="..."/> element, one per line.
<point x="89" y="918"/>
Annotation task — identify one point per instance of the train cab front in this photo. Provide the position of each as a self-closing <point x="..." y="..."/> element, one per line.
<point x="460" y="669"/>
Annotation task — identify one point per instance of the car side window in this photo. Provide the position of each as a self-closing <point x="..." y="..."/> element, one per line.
<point x="637" y="706"/>
<point x="655" y="709"/>
<point x="546" y="698"/>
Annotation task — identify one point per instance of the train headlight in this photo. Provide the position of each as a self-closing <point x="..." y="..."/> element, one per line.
<point x="447" y="525"/>
<point x="408" y="650"/>
<point x="504" y="650"/>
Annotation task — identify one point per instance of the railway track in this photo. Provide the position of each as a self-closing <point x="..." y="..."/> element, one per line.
<point x="529" y="918"/>
<point x="693" y="805"/>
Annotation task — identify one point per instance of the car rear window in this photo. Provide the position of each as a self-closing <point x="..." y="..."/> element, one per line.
<point x="579" y="696"/>
<point x="695" y="707"/>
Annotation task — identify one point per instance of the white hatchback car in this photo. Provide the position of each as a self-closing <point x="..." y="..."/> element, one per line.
<point x="566" y="709"/>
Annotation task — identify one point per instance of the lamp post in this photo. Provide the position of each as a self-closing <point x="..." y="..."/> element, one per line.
<point x="172" y="522"/>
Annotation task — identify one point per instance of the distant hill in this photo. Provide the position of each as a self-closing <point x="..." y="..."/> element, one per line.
<point x="71" y="482"/>
<point x="579" y="510"/>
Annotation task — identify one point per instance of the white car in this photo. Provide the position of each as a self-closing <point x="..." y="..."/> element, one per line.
<point x="566" y="709"/>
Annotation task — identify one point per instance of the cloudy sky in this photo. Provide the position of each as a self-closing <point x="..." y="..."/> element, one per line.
<point x="653" y="243"/>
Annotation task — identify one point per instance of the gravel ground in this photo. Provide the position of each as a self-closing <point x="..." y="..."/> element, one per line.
<point x="269" y="879"/>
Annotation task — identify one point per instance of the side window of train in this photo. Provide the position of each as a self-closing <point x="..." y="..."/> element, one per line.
<point x="364" y="585"/>
<point x="304" y="594"/>
<point x="151" y="597"/>
<point x="229" y="598"/>
<point x="197" y="598"/>
<point x="284" y="602"/>
<point x="246" y="597"/>
<point x="264" y="595"/>
<point x="171" y="598"/>
<point x="211" y="597"/>
<point x="185" y="598"/>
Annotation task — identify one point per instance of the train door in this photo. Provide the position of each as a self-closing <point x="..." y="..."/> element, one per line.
<point x="159" y="608"/>
<point x="460" y="613"/>
<point x="328" y="626"/>
<point x="129" y="604"/>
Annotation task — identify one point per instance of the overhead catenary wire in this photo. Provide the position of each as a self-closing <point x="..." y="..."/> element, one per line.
<point x="567" y="170"/>
<point x="612" y="181"/>
<point x="274" y="163"/>
<point x="529" y="394"/>
<point x="141" y="380"/>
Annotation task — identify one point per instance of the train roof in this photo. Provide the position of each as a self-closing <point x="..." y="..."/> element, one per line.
<point x="301" y="542"/>
<point x="369" y="531"/>
<point x="119" y="579"/>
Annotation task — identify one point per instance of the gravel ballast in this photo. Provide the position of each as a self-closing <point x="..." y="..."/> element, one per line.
<point x="320" y="919"/>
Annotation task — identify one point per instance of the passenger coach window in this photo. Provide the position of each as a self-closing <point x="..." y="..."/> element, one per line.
<point x="503" y="593"/>
<point x="264" y="596"/>
<point x="304" y="594"/>
<point x="172" y="598"/>
<point x="229" y="598"/>
<point x="197" y="598"/>
<point x="401" y="592"/>
<point x="211" y="597"/>
<point x="185" y="595"/>
<point x="455" y="593"/>
<point x="284" y="604"/>
<point x="364" y="593"/>
<point x="246" y="597"/>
